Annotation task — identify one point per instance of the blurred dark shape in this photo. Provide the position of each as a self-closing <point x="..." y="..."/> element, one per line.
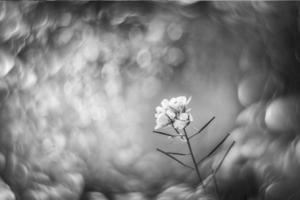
<point x="259" y="86"/>
<point x="79" y="81"/>
<point x="283" y="114"/>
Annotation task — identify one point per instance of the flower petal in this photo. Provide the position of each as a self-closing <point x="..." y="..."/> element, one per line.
<point x="188" y="110"/>
<point x="181" y="100"/>
<point x="162" y="121"/>
<point x="189" y="99"/>
<point x="171" y="114"/>
<point x="183" y="116"/>
<point x="173" y="111"/>
<point x="174" y="103"/>
<point x="159" y="109"/>
<point x="173" y="100"/>
<point x="178" y="124"/>
<point x="165" y="103"/>
<point x="191" y="117"/>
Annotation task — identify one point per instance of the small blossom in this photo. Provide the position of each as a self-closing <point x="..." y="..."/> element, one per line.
<point x="173" y="112"/>
<point x="165" y="103"/>
<point x="179" y="124"/>
<point x="183" y="116"/>
<point x="179" y="103"/>
<point x="162" y="120"/>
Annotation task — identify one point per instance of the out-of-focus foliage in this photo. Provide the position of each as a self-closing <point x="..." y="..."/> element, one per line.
<point x="79" y="81"/>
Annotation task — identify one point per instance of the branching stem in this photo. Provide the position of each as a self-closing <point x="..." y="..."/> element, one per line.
<point x="214" y="149"/>
<point x="216" y="183"/>
<point x="170" y="156"/>
<point x="225" y="155"/>
<point x="203" y="127"/>
<point x="193" y="157"/>
<point x="166" y="134"/>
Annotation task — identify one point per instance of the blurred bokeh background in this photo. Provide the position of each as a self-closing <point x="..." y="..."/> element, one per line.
<point x="79" y="83"/>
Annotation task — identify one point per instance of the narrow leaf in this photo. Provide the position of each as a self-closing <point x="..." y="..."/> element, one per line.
<point x="203" y="127"/>
<point x="165" y="153"/>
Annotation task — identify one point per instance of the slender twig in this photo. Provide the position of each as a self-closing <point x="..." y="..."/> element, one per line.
<point x="166" y="134"/>
<point x="176" y="130"/>
<point x="165" y="153"/>
<point x="178" y="154"/>
<point x="178" y="133"/>
<point x="216" y="184"/>
<point x="193" y="157"/>
<point x="214" y="149"/>
<point x="203" y="127"/>
<point x="225" y="155"/>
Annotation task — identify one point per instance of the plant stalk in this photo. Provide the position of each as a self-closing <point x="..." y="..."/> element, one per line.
<point x="193" y="157"/>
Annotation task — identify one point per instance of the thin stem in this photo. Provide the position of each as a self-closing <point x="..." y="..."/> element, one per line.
<point x="225" y="155"/>
<point x="216" y="184"/>
<point x="214" y="149"/>
<point x="193" y="157"/>
<point x="203" y="127"/>
<point x="179" y="134"/>
<point x="176" y="130"/>
<point x="170" y="156"/>
<point x="178" y="154"/>
<point x="166" y="134"/>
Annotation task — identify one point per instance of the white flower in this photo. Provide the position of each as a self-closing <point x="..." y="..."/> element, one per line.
<point x="178" y="124"/>
<point x="183" y="120"/>
<point x="162" y="120"/>
<point x="183" y="116"/>
<point x="165" y="103"/>
<point x="179" y="103"/>
<point x="173" y="112"/>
